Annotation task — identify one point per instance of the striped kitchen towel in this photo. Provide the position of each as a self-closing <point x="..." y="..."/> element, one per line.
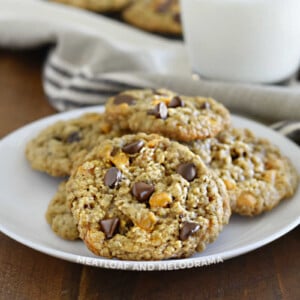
<point x="78" y="82"/>
<point x="290" y="129"/>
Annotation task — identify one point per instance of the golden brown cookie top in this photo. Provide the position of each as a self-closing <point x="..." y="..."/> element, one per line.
<point x="59" y="215"/>
<point x="146" y="197"/>
<point x="255" y="172"/>
<point x="55" y="148"/>
<point x="167" y="113"/>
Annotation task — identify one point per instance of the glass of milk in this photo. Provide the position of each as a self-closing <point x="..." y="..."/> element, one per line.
<point x="243" y="40"/>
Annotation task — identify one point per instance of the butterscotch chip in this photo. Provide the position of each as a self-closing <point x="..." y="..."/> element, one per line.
<point x="147" y="221"/>
<point x="59" y="215"/>
<point x="246" y="199"/>
<point x="57" y="148"/>
<point x="97" y="5"/>
<point x="160" y="16"/>
<point x="160" y="200"/>
<point x="160" y="213"/>
<point x="164" y="112"/>
<point x="254" y="171"/>
<point x="120" y="160"/>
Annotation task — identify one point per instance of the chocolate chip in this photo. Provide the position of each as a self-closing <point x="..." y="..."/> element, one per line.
<point x="177" y="18"/>
<point x="205" y="105"/>
<point x="109" y="226"/>
<point x="161" y="111"/>
<point x="114" y="151"/>
<point x="89" y="206"/>
<point x="142" y="191"/>
<point x="134" y="147"/>
<point x="234" y="155"/>
<point x="73" y="137"/>
<point x="176" y="102"/>
<point x="188" y="229"/>
<point x="187" y="171"/>
<point x="112" y="177"/>
<point x="58" y="138"/>
<point x="164" y="6"/>
<point x="123" y="98"/>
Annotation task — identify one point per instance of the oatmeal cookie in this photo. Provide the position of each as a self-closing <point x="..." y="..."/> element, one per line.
<point x="56" y="148"/>
<point x="164" y="112"/>
<point x="161" y="16"/>
<point x="147" y="198"/>
<point x="256" y="174"/>
<point x="97" y="5"/>
<point x="59" y="215"/>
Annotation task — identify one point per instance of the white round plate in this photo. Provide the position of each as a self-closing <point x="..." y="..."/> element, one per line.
<point x="26" y="193"/>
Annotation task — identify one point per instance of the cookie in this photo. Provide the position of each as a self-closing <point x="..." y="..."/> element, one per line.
<point x="256" y="174"/>
<point x="147" y="198"/>
<point x="56" y="148"/>
<point x="164" y="112"/>
<point x="59" y="215"/>
<point x="161" y="16"/>
<point x="97" y="5"/>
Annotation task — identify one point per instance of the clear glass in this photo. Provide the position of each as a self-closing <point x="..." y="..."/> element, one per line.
<point x="243" y="40"/>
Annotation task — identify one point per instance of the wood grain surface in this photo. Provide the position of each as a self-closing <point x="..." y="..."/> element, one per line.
<point x="271" y="272"/>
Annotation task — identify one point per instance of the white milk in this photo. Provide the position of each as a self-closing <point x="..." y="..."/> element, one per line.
<point x="243" y="40"/>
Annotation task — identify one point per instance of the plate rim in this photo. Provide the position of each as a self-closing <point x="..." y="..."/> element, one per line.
<point x="152" y="265"/>
<point x="160" y="265"/>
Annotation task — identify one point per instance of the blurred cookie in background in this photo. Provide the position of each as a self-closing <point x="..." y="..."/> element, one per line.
<point x="160" y="16"/>
<point x="97" y="5"/>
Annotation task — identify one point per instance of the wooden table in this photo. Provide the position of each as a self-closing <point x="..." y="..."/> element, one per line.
<point x="271" y="272"/>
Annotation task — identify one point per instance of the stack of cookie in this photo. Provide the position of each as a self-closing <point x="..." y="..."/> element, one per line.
<point x="157" y="175"/>
<point x="160" y="16"/>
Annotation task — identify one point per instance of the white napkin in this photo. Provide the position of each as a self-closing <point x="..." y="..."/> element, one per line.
<point x="101" y="57"/>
